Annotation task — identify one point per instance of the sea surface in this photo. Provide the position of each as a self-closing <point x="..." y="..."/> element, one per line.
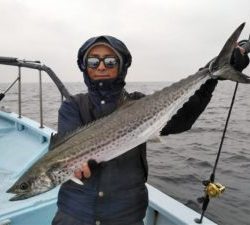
<point x="179" y="163"/>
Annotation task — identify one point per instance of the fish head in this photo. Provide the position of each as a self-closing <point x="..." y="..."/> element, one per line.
<point x="30" y="184"/>
<point x="220" y="68"/>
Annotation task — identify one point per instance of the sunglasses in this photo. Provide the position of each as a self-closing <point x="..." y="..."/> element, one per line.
<point x="109" y="62"/>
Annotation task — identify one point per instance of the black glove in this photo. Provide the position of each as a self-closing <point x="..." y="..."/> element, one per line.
<point x="1" y="96"/>
<point x="239" y="61"/>
<point x="92" y="164"/>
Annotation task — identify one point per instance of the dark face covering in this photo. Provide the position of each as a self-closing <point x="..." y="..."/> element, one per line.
<point x="105" y="94"/>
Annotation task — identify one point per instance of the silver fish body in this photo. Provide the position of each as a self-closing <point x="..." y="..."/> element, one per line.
<point x="117" y="133"/>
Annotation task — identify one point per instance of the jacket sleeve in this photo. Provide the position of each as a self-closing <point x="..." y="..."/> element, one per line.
<point x="191" y="110"/>
<point x="68" y="117"/>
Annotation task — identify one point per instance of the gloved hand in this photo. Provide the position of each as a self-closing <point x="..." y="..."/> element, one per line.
<point x="85" y="171"/>
<point x="1" y="96"/>
<point x="239" y="60"/>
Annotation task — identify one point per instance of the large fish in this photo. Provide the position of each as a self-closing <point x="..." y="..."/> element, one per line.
<point x="127" y="127"/>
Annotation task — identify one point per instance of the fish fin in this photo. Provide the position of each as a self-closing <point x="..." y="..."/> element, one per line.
<point x="182" y="120"/>
<point x="58" y="139"/>
<point x="186" y="116"/>
<point x="229" y="73"/>
<point x="220" y="67"/>
<point x="225" y="54"/>
<point x="54" y="141"/>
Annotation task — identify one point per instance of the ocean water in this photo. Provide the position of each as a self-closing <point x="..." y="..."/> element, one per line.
<point x="178" y="163"/>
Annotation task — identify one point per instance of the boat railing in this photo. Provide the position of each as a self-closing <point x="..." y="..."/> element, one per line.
<point x="11" y="61"/>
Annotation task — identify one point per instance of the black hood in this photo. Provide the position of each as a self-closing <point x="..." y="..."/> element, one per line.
<point x="109" y="90"/>
<point x="118" y="45"/>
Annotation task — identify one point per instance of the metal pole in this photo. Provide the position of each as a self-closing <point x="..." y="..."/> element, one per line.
<point x="41" y="99"/>
<point x="19" y="93"/>
<point x="35" y="65"/>
<point x="11" y="85"/>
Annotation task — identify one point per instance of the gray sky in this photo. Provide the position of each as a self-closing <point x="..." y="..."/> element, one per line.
<point x="168" y="39"/>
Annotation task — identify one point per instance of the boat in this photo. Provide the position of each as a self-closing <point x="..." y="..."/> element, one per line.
<point x="23" y="141"/>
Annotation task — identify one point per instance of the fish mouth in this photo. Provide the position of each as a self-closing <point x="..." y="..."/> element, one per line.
<point x="18" y="197"/>
<point x="13" y="190"/>
<point x="10" y="190"/>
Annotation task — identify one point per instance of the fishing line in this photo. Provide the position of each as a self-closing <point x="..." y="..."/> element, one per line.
<point x="2" y="95"/>
<point x="215" y="187"/>
<point x="212" y="177"/>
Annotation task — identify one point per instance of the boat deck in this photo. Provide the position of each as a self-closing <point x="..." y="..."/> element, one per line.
<point x="22" y="142"/>
<point x="20" y="137"/>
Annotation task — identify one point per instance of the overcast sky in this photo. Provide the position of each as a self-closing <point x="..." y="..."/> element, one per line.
<point x="168" y="39"/>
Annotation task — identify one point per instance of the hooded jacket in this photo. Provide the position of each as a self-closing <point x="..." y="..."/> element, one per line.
<point x="108" y="90"/>
<point x="115" y="193"/>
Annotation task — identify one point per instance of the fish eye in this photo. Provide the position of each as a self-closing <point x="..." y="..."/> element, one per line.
<point x="24" y="186"/>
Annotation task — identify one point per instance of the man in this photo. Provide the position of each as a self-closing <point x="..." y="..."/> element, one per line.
<point x="112" y="192"/>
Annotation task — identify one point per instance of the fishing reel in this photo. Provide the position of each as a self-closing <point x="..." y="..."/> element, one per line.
<point x="212" y="190"/>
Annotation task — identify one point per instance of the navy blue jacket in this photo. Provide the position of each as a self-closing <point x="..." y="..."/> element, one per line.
<point x="116" y="193"/>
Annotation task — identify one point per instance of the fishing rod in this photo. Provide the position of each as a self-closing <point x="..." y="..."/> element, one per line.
<point x="213" y="189"/>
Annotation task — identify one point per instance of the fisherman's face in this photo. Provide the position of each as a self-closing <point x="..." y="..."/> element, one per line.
<point x="102" y="72"/>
